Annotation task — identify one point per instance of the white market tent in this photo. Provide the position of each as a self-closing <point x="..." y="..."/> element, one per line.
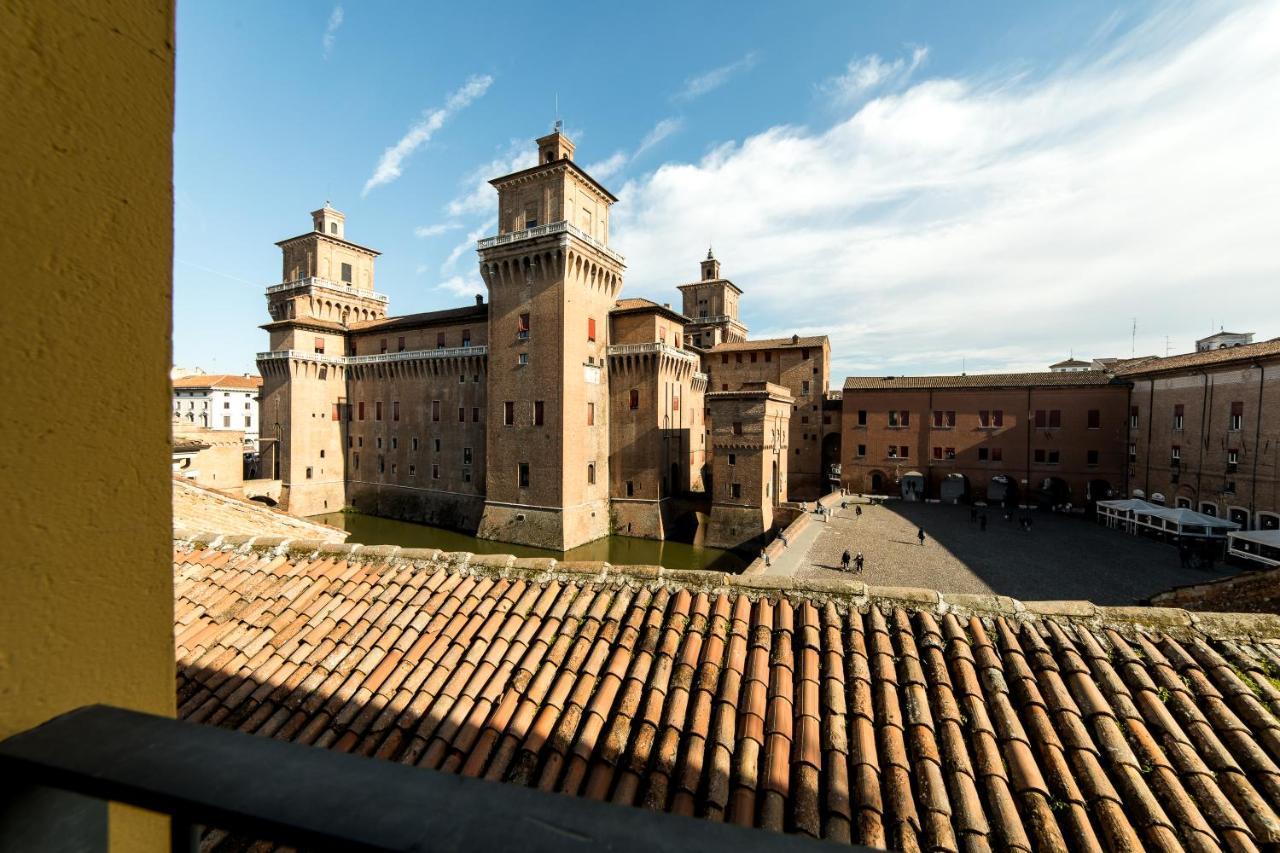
<point x="1258" y="546"/>
<point x="1134" y="513"/>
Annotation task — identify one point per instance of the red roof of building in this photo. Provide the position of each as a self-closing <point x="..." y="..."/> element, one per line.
<point x="219" y="380"/>
<point x="1209" y="358"/>
<point x="793" y="342"/>
<point x="894" y="718"/>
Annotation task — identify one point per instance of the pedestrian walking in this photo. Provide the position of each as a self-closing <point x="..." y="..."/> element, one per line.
<point x="982" y="522"/>
<point x="857" y="563"/>
<point x="844" y="560"/>
<point x="764" y="555"/>
<point x="920" y="535"/>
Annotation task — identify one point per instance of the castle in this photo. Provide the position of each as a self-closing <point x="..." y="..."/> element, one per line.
<point x="551" y="415"/>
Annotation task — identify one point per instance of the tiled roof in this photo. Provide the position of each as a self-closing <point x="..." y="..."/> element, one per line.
<point x="1243" y="353"/>
<point x="1071" y="362"/>
<point x="640" y="304"/>
<point x="199" y="508"/>
<point x="978" y="380"/>
<point x="219" y="380"/>
<point x="427" y="318"/>
<point x="894" y="718"/>
<point x="771" y="343"/>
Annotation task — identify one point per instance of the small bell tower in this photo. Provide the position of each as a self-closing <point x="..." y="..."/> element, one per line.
<point x="710" y="267"/>
<point x="328" y="221"/>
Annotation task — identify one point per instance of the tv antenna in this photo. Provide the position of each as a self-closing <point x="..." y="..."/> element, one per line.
<point x="1133" y="338"/>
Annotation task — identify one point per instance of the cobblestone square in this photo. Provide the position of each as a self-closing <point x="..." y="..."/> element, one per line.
<point x="1061" y="557"/>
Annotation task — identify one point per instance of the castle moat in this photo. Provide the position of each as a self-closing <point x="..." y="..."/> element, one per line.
<point x="620" y="550"/>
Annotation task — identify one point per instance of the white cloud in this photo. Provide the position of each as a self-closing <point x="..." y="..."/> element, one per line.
<point x="701" y="84"/>
<point x="469" y="244"/>
<point x="608" y="166"/>
<point x="435" y="230"/>
<point x="1002" y="221"/>
<point x="331" y="31"/>
<point x="660" y="131"/>
<point x="462" y="285"/>
<point x="479" y="196"/>
<point x="389" y="166"/>
<point x="867" y="73"/>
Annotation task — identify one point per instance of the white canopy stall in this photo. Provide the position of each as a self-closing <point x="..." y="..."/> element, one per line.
<point x="1134" y="514"/>
<point x="1257" y="546"/>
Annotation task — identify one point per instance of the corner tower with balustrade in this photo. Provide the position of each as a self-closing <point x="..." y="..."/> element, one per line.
<point x="552" y="281"/>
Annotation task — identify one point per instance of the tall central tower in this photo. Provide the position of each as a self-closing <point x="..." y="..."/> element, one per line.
<point x="552" y="279"/>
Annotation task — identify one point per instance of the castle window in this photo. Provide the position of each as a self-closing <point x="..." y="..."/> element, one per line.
<point x="591" y="328"/>
<point x="435" y="410"/>
<point x="466" y="337"/>
<point x="400" y="344"/>
<point x="631" y="490"/>
<point x="733" y="459"/>
<point x="395" y="410"/>
<point x="226" y="421"/>
<point x="1095" y="419"/>
<point x="768" y="357"/>
<point x="377" y="410"/>
<point x="437" y="445"/>
<point x="737" y="427"/>
<point x="462" y="414"/>
<point x="462" y="378"/>
<point x="466" y="456"/>
<point x="475" y="414"/>
<point x="862" y="450"/>
<point x="591" y="414"/>
<point x="591" y="473"/>
<point x="382" y="345"/>
<point x="737" y="357"/>
<point x="333" y="228"/>
<point x="439" y="340"/>
<point x="393" y="467"/>
<point x="1091" y="457"/>
<point x="382" y="463"/>
<point x="522" y="359"/>
<point x="537" y="413"/>
<point x="413" y="443"/>
<point x="319" y="346"/>
<point x="395" y="444"/>
<point x="1178" y="416"/>
<point x="675" y="403"/>
<point x="346" y="268"/>
<point x="322" y="454"/>
<point x="804" y="353"/>
<point x="355" y="461"/>
<point x="379" y="440"/>
<point x="435" y="470"/>
<point x="413" y="470"/>
<point x="509" y="413"/>
<point x="735" y="490"/>
<point x="308" y="473"/>
<point x="753" y="358"/>
<point x="1237" y="417"/>
<point x="635" y="398"/>
<point x="522" y="474"/>
<point x="522" y="327"/>
<point x="360" y="409"/>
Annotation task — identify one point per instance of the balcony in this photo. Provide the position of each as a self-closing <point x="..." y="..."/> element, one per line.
<point x="326" y="284"/>
<point x="654" y="348"/>
<point x="379" y="358"/>
<point x="300" y="355"/>
<point x="546" y="231"/>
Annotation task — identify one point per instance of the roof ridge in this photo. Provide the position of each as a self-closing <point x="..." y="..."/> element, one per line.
<point x="855" y="594"/>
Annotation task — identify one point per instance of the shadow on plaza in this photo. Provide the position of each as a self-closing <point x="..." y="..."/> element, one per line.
<point x="1059" y="557"/>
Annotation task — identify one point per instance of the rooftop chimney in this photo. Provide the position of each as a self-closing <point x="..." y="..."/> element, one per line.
<point x="479" y="298"/>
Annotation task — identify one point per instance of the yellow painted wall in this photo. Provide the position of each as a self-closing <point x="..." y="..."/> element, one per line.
<point x="86" y="231"/>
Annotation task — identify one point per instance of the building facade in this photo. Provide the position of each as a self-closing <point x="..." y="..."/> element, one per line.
<point x="552" y="414"/>
<point x="219" y="402"/>
<point x="1205" y="431"/>
<point x="1052" y="437"/>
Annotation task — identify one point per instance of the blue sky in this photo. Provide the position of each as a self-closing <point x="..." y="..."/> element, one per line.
<point x="993" y="185"/>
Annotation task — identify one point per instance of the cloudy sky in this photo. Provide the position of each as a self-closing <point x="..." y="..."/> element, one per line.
<point x="935" y="187"/>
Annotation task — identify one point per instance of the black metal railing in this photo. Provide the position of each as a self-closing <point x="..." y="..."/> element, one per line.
<point x="317" y="799"/>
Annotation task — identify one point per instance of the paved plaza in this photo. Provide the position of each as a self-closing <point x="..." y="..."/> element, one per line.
<point x="1061" y="557"/>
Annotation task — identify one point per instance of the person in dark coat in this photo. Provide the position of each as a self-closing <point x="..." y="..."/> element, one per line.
<point x="920" y="535"/>
<point x="844" y="560"/>
<point x="857" y="563"/>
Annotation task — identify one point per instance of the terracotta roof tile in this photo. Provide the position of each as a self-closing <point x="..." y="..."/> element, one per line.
<point x="890" y="727"/>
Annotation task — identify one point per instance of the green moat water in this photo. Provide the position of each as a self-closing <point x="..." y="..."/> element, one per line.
<point x="622" y="550"/>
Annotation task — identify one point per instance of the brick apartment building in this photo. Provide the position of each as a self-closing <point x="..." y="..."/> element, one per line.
<point x="1205" y="429"/>
<point x="1054" y="437"/>
<point x="552" y="414"/>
